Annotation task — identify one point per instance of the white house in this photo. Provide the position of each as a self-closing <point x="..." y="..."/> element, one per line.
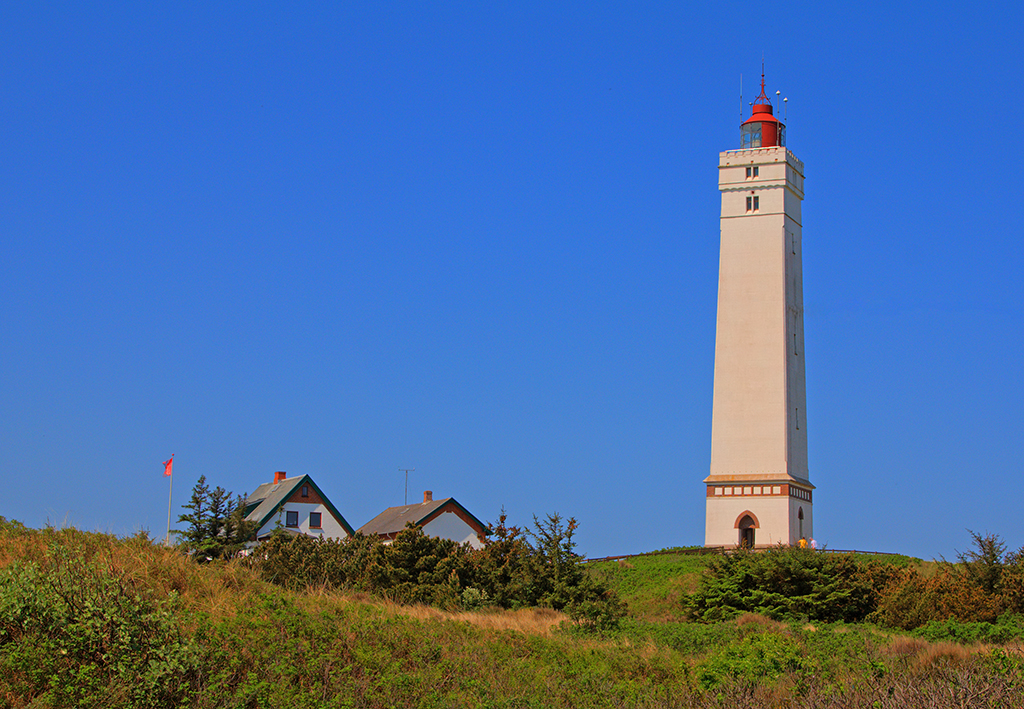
<point x="445" y="519"/>
<point x="298" y="506"/>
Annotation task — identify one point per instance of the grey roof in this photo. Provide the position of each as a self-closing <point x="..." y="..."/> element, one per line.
<point x="268" y="496"/>
<point x="393" y="519"/>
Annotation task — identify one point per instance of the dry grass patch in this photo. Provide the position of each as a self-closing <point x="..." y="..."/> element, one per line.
<point x="760" y="621"/>
<point x="942" y="653"/>
<point x="529" y="621"/>
<point x="903" y="646"/>
<point x="922" y="655"/>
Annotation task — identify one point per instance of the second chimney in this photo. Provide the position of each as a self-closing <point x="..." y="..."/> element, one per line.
<point x="428" y="496"/>
<point x="279" y="476"/>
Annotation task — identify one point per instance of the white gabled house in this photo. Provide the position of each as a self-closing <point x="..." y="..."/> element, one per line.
<point x="446" y="519"/>
<point x="298" y="506"/>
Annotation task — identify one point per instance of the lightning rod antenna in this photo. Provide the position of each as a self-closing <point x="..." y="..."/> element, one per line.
<point x="407" y="471"/>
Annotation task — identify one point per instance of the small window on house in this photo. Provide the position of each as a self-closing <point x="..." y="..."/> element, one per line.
<point x="291" y="519"/>
<point x="314" y="520"/>
<point x="305" y="490"/>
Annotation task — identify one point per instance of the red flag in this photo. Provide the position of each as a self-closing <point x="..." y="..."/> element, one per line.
<point x="167" y="466"/>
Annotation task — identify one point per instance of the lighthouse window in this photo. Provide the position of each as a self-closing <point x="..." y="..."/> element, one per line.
<point x="750" y="136"/>
<point x="751" y="172"/>
<point x="753" y="203"/>
<point x="750" y="201"/>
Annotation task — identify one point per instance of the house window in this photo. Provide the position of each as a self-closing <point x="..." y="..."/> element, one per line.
<point x="314" y="520"/>
<point x="305" y="490"/>
<point x="291" y="519"/>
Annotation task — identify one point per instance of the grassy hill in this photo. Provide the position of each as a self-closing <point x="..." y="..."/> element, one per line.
<point x="89" y="620"/>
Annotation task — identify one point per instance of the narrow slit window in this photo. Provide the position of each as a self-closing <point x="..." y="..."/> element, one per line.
<point x="757" y="201"/>
<point x="750" y="201"/>
<point x="748" y="173"/>
<point x="755" y="172"/>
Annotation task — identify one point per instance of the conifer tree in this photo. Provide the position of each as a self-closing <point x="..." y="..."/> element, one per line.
<point x="217" y="526"/>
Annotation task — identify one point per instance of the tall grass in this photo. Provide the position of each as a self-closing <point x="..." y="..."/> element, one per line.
<point x="87" y="620"/>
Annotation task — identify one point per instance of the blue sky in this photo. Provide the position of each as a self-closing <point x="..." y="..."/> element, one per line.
<point x="482" y="242"/>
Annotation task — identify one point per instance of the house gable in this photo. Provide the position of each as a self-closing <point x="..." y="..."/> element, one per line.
<point x="431" y="516"/>
<point x="451" y="505"/>
<point x="264" y="510"/>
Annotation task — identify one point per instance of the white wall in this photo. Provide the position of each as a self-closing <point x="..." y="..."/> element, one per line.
<point x="449" y="525"/>
<point x="772" y="515"/>
<point x="330" y="529"/>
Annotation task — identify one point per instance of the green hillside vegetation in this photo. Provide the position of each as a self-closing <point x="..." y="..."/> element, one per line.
<point x="90" y="620"/>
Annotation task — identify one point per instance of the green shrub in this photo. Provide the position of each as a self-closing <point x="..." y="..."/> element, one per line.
<point x="1007" y="627"/>
<point x="789" y="583"/>
<point x="76" y="633"/>
<point x="508" y="572"/>
<point x="752" y="659"/>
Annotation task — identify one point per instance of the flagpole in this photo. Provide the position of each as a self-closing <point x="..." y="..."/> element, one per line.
<point x="170" y="486"/>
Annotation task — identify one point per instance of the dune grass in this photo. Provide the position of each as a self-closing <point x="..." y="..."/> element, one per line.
<point x="88" y="620"/>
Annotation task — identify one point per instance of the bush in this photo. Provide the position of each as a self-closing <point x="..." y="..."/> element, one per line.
<point x="77" y="633"/>
<point x="1007" y="627"/>
<point x="913" y="600"/>
<point x="508" y="572"/>
<point x="753" y="659"/>
<point x="789" y="583"/>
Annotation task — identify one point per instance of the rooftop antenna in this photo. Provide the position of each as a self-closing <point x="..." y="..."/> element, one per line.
<point x="785" y="113"/>
<point x="407" y="471"/>
<point x="741" y="97"/>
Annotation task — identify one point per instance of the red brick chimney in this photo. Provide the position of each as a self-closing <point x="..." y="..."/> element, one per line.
<point x="428" y="496"/>
<point x="279" y="476"/>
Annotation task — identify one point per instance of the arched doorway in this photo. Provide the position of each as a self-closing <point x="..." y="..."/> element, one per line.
<point x="800" y="517"/>
<point x="746" y="527"/>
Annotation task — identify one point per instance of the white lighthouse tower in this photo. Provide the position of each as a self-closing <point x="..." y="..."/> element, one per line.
<point x="758" y="492"/>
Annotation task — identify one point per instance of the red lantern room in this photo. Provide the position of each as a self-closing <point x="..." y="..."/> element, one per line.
<point x="762" y="129"/>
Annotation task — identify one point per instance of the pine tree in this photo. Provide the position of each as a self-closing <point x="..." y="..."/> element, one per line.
<point x="217" y="526"/>
<point x="198" y="519"/>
